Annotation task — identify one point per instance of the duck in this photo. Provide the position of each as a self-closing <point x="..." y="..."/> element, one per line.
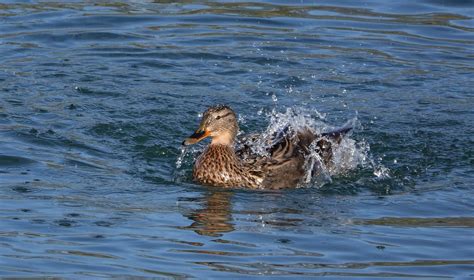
<point x="282" y="166"/>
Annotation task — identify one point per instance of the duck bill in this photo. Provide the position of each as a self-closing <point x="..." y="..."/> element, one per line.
<point x="196" y="137"/>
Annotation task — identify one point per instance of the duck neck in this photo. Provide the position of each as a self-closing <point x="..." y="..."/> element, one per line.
<point x="225" y="139"/>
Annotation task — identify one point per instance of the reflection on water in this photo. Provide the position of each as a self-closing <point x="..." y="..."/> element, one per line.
<point x="96" y="97"/>
<point x="214" y="218"/>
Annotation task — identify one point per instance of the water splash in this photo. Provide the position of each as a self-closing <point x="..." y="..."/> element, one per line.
<point x="294" y="118"/>
<point x="347" y="156"/>
<point x="185" y="161"/>
<point x="180" y="159"/>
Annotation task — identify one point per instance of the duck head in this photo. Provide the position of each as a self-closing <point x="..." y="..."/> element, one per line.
<point x="218" y="122"/>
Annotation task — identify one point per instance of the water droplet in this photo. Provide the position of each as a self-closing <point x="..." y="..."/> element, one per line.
<point x="274" y="98"/>
<point x="381" y="172"/>
<point x="241" y="119"/>
<point x="179" y="160"/>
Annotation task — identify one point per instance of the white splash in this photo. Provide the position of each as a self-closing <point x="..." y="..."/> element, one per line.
<point x="180" y="159"/>
<point x="347" y="155"/>
<point x="296" y="119"/>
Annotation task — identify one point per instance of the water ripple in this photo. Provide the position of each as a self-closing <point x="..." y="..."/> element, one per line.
<point x="96" y="99"/>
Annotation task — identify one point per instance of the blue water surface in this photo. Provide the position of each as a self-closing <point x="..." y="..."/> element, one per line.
<point x="97" y="96"/>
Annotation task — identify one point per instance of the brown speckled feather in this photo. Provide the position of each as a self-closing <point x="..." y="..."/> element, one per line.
<point x="219" y="166"/>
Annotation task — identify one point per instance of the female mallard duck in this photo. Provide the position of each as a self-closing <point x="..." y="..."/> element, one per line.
<point x="220" y="165"/>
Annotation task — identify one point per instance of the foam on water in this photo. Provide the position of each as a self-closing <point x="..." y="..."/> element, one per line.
<point x="347" y="155"/>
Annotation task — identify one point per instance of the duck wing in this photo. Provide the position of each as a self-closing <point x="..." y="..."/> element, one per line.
<point x="337" y="134"/>
<point x="286" y="141"/>
<point x="283" y="164"/>
<point x="326" y="141"/>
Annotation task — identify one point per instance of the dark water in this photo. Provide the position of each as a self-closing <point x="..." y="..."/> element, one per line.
<point x="96" y="97"/>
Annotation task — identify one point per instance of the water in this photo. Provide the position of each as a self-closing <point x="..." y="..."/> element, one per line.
<point x="97" y="97"/>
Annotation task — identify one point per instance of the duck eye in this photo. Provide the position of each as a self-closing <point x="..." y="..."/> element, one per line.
<point x="218" y="117"/>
